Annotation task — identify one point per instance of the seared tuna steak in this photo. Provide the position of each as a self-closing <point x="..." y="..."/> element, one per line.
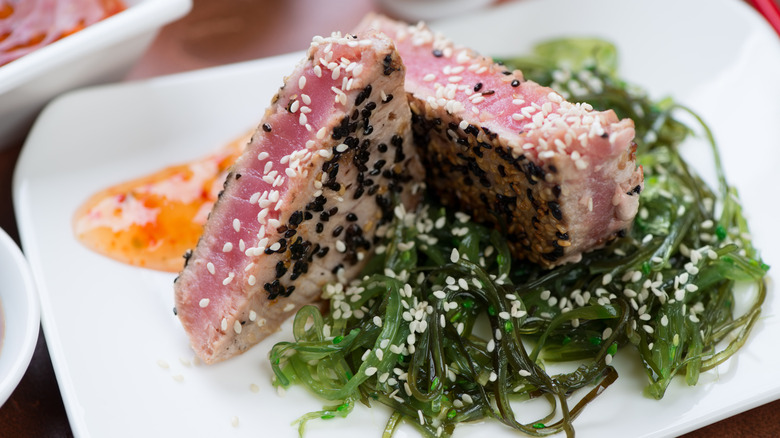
<point x="558" y="177"/>
<point x="302" y="205"/>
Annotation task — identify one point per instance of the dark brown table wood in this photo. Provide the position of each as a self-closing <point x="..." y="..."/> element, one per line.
<point x="219" y="32"/>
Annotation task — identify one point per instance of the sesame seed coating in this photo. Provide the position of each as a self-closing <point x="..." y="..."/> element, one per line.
<point x="498" y="146"/>
<point x="308" y="207"/>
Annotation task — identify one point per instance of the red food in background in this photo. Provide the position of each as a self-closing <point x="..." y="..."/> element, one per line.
<point x="28" y="25"/>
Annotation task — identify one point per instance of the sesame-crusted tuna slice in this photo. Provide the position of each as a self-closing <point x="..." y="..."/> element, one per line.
<point x="560" y="177"/>
<point x="303" y="204"/>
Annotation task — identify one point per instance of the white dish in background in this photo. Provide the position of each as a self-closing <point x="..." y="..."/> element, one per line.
<point x="19" y="316"/>
<point x="100" y="53"/>
<point x="107" y="324"/>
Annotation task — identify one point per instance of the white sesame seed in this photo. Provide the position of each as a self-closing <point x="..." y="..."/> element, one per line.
<point x="236" y="224"/>
<point x="237" y="327"/>
<point x="454" y="256"/>
<point x="289" y="307"/>
<point x="204" y="302"/>
<point x="227" y="247"/>
<point x="210" y="267"/>
<point x="163" y="364"/>
<point x="224" y="324"/>
<point x="429" y="77"/>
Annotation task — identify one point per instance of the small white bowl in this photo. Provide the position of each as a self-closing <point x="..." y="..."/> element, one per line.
<point x="20" y="313"/>
<point x="103" y="52"/>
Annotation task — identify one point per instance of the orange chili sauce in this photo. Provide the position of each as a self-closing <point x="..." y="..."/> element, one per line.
<point x="153" y="220"/>
<point x="27" y="25"/>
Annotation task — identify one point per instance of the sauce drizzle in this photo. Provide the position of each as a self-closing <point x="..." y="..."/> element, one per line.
<point x="153" y="220"/>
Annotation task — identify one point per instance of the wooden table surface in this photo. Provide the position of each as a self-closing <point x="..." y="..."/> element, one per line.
<point x="220" y="32"/>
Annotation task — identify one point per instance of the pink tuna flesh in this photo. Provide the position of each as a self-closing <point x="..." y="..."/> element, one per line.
<point x="296" y="211"/>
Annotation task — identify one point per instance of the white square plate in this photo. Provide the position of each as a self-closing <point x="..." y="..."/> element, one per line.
<point x="108" y="324"/>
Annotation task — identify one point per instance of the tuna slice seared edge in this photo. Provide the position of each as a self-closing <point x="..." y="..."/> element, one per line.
<point x="302" y="205"/>
<point x="559" y="178"/>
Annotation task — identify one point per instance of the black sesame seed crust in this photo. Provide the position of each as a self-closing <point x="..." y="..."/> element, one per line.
<point x="477" y="173"/>
<point x="331" y="209"/>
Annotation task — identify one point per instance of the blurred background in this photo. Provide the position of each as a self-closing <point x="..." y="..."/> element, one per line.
<point x="218" y="32"/>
